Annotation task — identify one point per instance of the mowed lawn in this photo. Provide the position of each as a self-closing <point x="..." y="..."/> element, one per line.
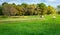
<point x="32" y="25"/>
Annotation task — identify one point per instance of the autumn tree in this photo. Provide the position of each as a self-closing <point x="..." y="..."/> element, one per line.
<point x="51" y="10"/>
<point x="9" y="10"/>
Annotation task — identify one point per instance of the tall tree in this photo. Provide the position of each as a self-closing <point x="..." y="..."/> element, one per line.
<point x="58" y="9"/>
<point x="31" y="9"/>
<point x="9" y="10"/>
<point x="1" y="10"/>
<point x="51" y="10"/>
<point x="42" y="8"/>
<point x="20" y="10"/>
<point x="24" y="7"/>
<point x="4" y="3"/>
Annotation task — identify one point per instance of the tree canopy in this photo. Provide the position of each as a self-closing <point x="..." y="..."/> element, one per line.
<point x="26" y="9"/>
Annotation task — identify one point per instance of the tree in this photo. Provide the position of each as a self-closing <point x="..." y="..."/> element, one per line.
<point x="9" y="10"/>
<point x="4" y="3"/>
<point x="13" y="4"/>
<point x="58" y="9"/>
<point x="41" y="8"/>
<point x="1" y="10"/>
<point x="51" y="10"/>
<point x="20" y="10"/>
<point x="24" y="8"/>
<point x="31" y="9"/>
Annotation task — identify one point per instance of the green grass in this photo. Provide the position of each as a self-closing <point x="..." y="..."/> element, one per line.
<point x="48" y="26"/>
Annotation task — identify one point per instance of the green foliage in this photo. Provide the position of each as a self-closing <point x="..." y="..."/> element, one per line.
<point x="1" y="10"/>
<point x="4" y="3"/>
<point x="58" y="9"/>
<point x="26" y="9"/>
<point x="51" y="10"/>
<point x="31" y="9"/>
<point x="42" y="8"/>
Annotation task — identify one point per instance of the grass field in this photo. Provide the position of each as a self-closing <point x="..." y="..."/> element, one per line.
<point x="32" y="25"/>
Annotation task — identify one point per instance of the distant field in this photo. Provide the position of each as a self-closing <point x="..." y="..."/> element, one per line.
<point x="30" y="25"/>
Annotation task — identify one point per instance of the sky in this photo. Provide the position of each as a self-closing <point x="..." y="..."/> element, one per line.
<point x="53" y="3"/>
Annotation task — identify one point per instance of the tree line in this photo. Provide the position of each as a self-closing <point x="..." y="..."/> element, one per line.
<point x="26" y="9"/>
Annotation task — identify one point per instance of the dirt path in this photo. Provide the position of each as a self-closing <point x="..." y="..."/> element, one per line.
<point x="19" y="19"/>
